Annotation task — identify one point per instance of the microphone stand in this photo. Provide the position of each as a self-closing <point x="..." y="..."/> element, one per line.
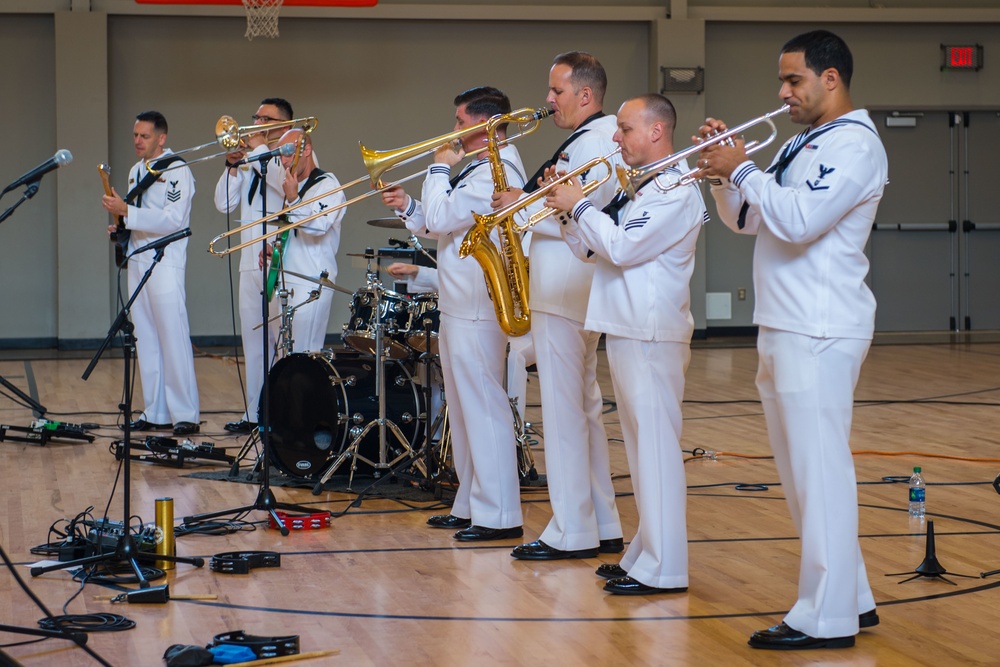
<point x="39" y="410"/>
<point x="30" y="190"/>
<point x="265" y="500"/>
<point x="126" y="549"/>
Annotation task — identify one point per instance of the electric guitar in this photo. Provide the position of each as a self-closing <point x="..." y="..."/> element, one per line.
<point x="120" y="236"/>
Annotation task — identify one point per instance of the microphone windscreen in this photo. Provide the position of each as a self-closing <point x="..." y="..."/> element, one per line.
<point x="63" y="157"/>
<point x="287" y="149"/>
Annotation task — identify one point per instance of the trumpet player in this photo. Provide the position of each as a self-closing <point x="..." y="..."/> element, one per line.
<point x="584" y="514"/>
<point x="640" y="298"/>
<point x="812" y="212"/>
<point x="311" y="248"/>
<point x="487" y="505"/>
<point x="244" y="186"/>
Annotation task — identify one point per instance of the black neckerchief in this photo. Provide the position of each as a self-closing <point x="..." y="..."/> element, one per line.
<point x="532" y="183"/>
<point x="619" y="201"/>
<point x="793" y="148"/>
<point x="135" y="194"/>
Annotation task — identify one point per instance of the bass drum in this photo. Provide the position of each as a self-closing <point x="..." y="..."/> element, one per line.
<point x="319" y="402"/>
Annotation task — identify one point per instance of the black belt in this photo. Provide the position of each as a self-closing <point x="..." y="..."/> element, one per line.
<point x="241" y="562"/>
<point x="263" y="647"/>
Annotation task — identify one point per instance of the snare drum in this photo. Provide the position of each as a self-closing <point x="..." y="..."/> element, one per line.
<point x="319" y="403"/>
<point x="359" y="333"/>
<point x="424" y="307"/>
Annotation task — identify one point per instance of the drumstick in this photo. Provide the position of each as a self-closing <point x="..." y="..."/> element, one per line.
<point x="286" y="658"/>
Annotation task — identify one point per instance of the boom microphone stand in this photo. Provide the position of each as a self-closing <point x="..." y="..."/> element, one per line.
<point x="29" y="191"/>
<point x="126" y="548"/>
<point x="265" y="500"/>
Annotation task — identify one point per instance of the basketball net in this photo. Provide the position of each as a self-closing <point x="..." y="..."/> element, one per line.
<point x="262" y="18"/>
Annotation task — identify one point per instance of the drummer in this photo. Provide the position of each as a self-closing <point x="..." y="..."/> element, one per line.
<point x="311" y="248"/>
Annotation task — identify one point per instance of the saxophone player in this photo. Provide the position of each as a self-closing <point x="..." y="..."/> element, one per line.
<point x="472" y="344"/>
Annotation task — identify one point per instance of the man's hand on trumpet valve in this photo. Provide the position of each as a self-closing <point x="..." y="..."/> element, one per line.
<point x="566" y="196"/>
<point x="264" y="258"/>
<point x="721" y="159"/>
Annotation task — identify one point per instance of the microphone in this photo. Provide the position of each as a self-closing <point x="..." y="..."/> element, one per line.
<point x="398" y="243"/>
<point x="283" y="150"/>
<point x="62" y="157"/>
<point x="166" y="240"/>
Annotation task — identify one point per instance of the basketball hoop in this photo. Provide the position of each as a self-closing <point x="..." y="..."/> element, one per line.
<point x="262" y="18"/>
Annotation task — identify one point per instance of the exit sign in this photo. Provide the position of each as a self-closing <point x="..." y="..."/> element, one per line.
<point x="965" y="56"/>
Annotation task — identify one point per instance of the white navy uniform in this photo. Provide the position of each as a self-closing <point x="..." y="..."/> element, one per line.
<point x="816" y="317"/>
<point x="312" y="249"/>
<point x="159" y="313"/>
<point x="232" y="191"/>
<point x="472" y="344"/>
<point x="577" y="466"/>
<point x="640" y="299"/>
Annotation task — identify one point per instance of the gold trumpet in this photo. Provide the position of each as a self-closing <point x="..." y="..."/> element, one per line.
<point x="488" y="221"/>
<point x="231" y="136"/>
<point x="632" y="179"/>
<point x="378" y="163"/>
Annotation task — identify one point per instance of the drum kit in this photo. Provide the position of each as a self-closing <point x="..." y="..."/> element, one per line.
<point x="367" y="407"/>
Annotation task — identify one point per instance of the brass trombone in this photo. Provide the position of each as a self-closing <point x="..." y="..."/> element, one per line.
<point x="231" y="136"/>
<point x="631" y="178"/>
<point x="378" y="163"/>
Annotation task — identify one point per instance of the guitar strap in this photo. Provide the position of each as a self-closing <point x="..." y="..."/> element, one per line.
<point x="135" y="194"/>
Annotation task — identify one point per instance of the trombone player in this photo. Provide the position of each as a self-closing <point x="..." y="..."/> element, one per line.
<point x="243" y="186"/>
<point x="584" y="514"/>
<point x="472" y="345"/>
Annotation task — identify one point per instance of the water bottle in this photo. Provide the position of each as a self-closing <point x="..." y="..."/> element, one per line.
<point x="917" y="493"/>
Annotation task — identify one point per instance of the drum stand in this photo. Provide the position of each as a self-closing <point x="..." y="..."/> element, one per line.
<point x="351" y="451"/>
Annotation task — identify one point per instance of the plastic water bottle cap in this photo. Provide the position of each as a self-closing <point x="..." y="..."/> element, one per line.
<point x="916" y="469"/>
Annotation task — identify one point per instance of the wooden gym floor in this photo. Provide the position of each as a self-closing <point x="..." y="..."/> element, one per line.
<point x="381" y="588"/>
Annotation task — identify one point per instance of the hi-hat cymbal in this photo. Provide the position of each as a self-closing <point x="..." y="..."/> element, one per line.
<point x="320" y="280"/>
<point x="388" y="223"/>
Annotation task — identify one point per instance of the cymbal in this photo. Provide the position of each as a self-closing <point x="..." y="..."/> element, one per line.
<point x="388" y="223"/>
<point x="321" y="281"/>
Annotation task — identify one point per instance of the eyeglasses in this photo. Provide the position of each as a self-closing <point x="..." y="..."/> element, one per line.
<point x="263" y="119"/>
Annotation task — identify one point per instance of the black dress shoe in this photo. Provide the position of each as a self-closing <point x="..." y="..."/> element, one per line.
<point x="242" y="426"/>
<point x="484" y="534"/>
<point x="612" y="546"/>
<point x="611" y="571"/>
<point x="629" y="586"/>
<point x="783" y="637"/>
<point x="186" y="428"/>
<point x="869" y="619"/>
<point x="143" y="425"/>
<point x="448" y="521"/>
<point x="539" y="550"/>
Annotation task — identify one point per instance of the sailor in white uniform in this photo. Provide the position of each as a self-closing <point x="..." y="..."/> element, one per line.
<point x="472" y="344"/>
<point x="644" y="251"/>
<point x="812" y="212"/>
<point x="243" y="187"/>
<point x="311" y="248"/>
<point x="577" y="466"/>
<point x="159" y="313"/>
